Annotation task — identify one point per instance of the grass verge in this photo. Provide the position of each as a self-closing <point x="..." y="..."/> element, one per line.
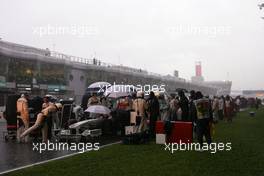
<point x="246" y="157"/>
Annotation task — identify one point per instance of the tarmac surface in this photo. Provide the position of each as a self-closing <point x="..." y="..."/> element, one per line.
<point x="14" y="155"/>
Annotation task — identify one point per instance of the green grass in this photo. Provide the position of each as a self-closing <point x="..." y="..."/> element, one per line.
<point x="245" y="158"/>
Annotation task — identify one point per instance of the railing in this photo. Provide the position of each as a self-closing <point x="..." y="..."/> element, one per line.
<point x="120" y="68"/>
<point x="23" y="48"/>
<point x="95" y="62"/>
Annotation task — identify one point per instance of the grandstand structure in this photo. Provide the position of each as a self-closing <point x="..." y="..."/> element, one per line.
<point x="41" y="71"/>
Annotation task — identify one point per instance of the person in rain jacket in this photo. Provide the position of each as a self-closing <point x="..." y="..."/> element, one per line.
<point x="184" y="105"/>
<point x="204" y="117"/>
<point x="154" y="112"/>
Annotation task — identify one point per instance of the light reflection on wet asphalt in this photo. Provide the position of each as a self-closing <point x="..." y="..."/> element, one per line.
<point x="14" y="155"/>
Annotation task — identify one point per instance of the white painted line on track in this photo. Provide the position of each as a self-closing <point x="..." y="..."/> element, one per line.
<point x="54" y="159"/>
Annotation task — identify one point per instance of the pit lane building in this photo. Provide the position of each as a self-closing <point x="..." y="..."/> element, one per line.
<point x="41" y="71"/>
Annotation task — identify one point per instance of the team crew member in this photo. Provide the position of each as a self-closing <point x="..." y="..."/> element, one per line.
<point x="93" y="100"/>
<point x="140" y="107"/>
<point x="203" y="118"/>
<point x="192" y="107"/>
<point x="184" y="105"/>
<point x="228" y="109"/>
<point x="215" y="108"/>
<point x="40" y="119"/>
<point x="153" y="110"/>
<point x="23" y="116"/>
<point x="221" y="108"/>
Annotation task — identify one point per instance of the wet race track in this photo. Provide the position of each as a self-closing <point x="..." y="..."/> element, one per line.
<point x="15" y="155"/>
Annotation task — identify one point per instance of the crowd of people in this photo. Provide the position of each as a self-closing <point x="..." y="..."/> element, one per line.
<point x="202" y="111"/>
<point x="145" y="110"/>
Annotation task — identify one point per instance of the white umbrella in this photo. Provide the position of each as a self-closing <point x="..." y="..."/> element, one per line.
<point x="98" y="109"/>
<point x="99" y="85"/>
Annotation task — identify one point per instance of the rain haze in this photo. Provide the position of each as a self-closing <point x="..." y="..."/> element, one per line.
<point x="158" y="35"/>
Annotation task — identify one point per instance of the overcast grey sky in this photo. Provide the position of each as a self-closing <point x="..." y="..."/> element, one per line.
<point x="157" y="35"/>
